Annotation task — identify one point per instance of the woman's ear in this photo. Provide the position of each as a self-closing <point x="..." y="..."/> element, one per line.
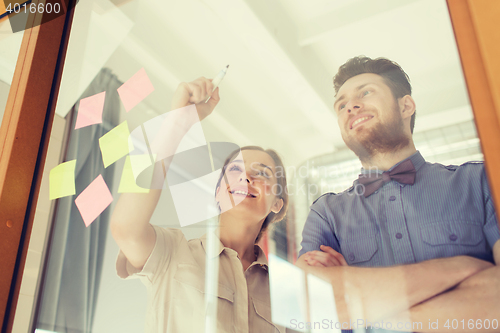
<point x="407" y="106"/>
<point x="217" y="190"/>
<point x="278" y="204"/>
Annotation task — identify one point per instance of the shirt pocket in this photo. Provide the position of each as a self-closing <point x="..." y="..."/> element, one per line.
<point x="190" y="297"/>
<point x="262" y="322"/>
<point x="360" y="251"/>
<point x="445" y="239"/>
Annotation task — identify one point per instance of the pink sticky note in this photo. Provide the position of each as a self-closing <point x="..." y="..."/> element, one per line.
<point x="135" y="89"/>
<point x="90" y="110"/>
<point x="93" y="200"/>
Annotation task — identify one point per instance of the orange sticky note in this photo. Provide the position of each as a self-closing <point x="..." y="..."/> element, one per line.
<point x="90" y="110"/>
<point x="135" y="89"/>
<point x="93" y="200"/>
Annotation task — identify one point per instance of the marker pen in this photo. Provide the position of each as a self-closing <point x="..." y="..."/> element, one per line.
<point x="218" y="79"/>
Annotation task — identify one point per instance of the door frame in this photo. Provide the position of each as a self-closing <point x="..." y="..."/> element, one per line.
<point x="24" y="135"/>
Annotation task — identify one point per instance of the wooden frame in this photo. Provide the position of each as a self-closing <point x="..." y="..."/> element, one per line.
<point x="477" y="33"/>
<point x="23" y="146"/>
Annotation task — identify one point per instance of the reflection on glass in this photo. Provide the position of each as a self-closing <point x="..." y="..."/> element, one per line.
<point x="288" y="293"/>
<point x="452" y="144"/>
<point x="283" y="55"/>
<point x="77" y="250"/>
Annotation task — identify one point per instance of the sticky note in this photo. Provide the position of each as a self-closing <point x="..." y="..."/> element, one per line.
<point x="93" y="200"/>
<point x="134" y="165"/>
<point x="90" y="110"/>
<point x="62" y="180"/>
<point x="194" y="201"/>
<point x="159" y="131"/>
<point x="115" y="144"/>
<point x="135" y="89"/>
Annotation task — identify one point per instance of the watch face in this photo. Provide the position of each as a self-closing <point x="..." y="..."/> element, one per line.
<point x="27" y="14"/>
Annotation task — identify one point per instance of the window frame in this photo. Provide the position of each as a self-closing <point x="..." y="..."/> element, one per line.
<point x="477" y="33"/>
<point x="24" y="137"/>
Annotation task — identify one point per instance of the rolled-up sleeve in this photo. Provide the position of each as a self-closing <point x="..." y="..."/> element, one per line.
<point x="166" y="244"/>
<point x="318" y="230"/>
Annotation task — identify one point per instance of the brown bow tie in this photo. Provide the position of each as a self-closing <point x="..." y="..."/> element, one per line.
<point x="403" y="173"/>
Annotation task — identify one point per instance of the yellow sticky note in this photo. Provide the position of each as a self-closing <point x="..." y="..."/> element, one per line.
<point x="62" y="180"/>
<point x="115" y="144"/>
<point x="134" y="165"/>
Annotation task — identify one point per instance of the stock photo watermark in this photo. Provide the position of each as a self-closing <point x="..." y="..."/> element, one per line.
<point x="352" y="325"/>
<point x="471" y="324"/>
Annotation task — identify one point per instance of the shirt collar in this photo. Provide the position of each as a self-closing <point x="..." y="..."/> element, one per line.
<point x="261" y="256"/>
<point x="220" y="246"/>
<point x="417" y="159"/>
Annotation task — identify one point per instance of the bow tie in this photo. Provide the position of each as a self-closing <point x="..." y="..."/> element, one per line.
<point x="403" y="173"/>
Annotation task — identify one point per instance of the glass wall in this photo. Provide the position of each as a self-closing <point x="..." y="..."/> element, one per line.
<point x="123" y="71"/>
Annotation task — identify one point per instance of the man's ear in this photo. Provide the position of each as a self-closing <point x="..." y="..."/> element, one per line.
<point x="407" y="106"/>
<point x="278" y="204"/>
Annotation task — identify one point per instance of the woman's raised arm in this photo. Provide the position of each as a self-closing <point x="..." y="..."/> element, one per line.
<point x="130" y="225"/>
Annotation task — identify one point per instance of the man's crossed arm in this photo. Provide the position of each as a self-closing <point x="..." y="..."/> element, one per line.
<point x="437" y="289"/>
<point x="473" y="305"/>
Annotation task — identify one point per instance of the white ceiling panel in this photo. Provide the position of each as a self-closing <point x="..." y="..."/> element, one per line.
<point x="282" y="54"/>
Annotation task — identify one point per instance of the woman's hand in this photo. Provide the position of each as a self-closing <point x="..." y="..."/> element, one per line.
<point x="196" y="92"/>
<point x="327" y="257"/>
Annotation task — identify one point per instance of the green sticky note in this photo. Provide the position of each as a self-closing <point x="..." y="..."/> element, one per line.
<point x="62" y="180"/>
<point x="134" y="165"/>
<point x="115" y="144"/>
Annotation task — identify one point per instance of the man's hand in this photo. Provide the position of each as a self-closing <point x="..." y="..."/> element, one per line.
<point x="196" y="92"/>
<point x="327" y="257"/>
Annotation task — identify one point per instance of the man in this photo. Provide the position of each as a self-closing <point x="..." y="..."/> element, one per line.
<point x="402" y="215"/>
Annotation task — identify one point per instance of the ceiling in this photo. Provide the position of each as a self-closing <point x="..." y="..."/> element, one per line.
<point x="278" y="91"/>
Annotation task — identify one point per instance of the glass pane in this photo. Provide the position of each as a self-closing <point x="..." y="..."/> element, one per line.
<point x="121" y="100"/>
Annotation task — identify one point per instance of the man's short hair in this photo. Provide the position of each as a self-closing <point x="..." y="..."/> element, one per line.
<point x="394" y="76"/>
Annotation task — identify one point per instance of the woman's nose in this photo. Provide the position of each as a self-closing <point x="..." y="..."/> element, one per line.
<point x="245" y="177"/>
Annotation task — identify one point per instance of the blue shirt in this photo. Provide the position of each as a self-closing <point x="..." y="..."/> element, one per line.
<point x="448" y="211"/>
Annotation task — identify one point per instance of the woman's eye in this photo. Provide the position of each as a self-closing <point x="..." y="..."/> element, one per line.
<point x="263" y="174"/>
<point x="366" y="92"/>
<point x="234" y="168"/>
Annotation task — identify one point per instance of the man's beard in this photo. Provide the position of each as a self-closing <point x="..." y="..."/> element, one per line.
<point x="380" y="139"/>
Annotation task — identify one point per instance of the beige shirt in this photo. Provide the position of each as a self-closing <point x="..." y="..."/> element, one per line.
<point x="174" y="275"/>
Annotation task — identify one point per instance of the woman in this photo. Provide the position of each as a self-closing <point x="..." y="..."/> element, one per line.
<point x="250" y="193"/>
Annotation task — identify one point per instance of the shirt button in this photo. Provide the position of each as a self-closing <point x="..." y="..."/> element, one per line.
<point x="453" y="237"/>
<point x="399" y="235"/>
<point x="351" y="256"/>
<point x="392" y="198"/>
